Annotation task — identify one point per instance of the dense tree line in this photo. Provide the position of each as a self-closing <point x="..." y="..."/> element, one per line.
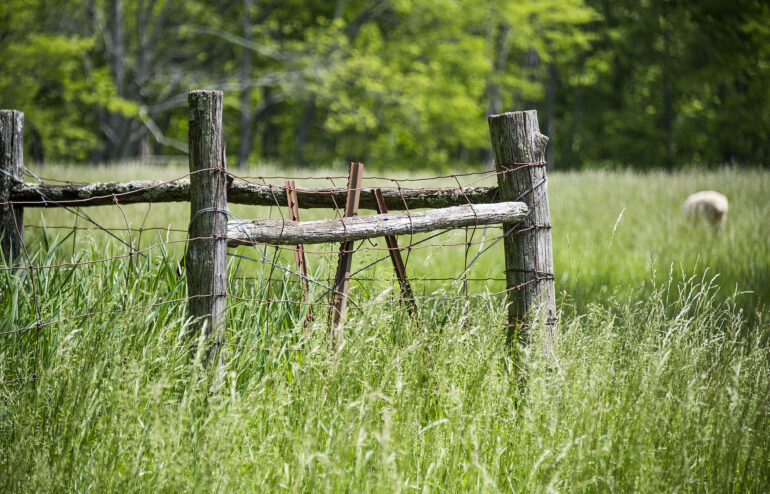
<point x="406" y="83"/>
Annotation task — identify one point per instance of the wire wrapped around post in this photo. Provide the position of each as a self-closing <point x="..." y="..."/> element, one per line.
<point x="519" y="150"/>
<point x="206" y="259"/>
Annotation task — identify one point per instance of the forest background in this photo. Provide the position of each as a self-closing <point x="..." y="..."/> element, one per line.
<point x="396" y="83"/>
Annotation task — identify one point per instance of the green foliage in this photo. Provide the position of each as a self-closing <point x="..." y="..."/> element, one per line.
<point x="396" y="102"/>
<point x="396" y="83"/>
<point x="44" y="76"/>
<point x="673" y="83"/>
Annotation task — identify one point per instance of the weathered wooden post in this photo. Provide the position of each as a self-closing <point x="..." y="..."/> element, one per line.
<point x="519" y="150"/>
<point x="11" y="173"/>
<point x="206" y="259"/>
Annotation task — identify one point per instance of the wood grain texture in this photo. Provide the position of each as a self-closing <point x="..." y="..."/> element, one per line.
<point x="12" y="166"/>
<point x="516" y="139"/>
<point x="279" y="232"/>
<point x="156" y="191"/>
<point x="206" y="259"/>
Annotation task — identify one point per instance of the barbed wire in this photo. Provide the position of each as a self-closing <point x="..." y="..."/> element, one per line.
<point x="270" y="289"/>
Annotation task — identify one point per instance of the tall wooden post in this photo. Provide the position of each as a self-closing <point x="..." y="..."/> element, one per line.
<point x="519" y="150"/>
<point x="206" y="260"/>
<point x="11" y="173"/>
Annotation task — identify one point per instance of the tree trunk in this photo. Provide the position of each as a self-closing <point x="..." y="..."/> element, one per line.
<point x="142" y="72"/>
<point x="574" y="146"/>
<point x="531" y="62"/>
<point x="500" y="50"/>
<point x="245" y="144"/>
<point x="550" y="105"/>
<point x="119" y="131"/>
<point x="308" y="115"/>
<point x="268" y="129"/>
<point x="497" y="36"/>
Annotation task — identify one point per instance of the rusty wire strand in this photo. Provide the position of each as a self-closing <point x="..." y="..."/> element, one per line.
<point x="274" y="263"/>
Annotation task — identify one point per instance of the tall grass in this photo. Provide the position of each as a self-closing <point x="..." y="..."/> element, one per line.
<point x="665" y="394"/>
<point x="660" y="382"/>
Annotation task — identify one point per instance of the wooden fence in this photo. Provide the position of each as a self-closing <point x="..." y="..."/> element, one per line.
<point x="519" y="203"/>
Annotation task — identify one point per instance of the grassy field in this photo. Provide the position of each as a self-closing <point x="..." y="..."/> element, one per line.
<point x="660" y="380"/>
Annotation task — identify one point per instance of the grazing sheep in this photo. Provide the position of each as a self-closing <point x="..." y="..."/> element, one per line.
<point x="707" y="204"/>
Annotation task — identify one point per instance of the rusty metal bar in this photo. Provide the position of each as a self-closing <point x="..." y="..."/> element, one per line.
<point x="398" y="263"/>
<point x="299" y="251"/>
<point x="342" y="278"/>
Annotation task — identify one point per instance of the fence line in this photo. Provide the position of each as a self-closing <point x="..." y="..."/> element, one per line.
<point x="209" y="187"/>
<point x="239" y="191"/>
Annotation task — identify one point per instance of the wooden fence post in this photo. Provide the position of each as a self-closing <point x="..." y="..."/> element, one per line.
<point x="519" y="150"/>
<point x="11" y="173"/>
<point x="206" y="260"/>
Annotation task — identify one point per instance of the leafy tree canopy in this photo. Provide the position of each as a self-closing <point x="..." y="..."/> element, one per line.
<point x="397" y="83"/>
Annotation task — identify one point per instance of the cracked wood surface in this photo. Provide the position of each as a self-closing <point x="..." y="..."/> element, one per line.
<point x="280" y="232"/>
<point x="143" y="191"/>
<point x="206" y="258"/>
<point x="12" y="166"/>
<point x="516" y="139"/>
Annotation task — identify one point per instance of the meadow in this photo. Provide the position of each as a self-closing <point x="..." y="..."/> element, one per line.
<point x="659" y="381"/>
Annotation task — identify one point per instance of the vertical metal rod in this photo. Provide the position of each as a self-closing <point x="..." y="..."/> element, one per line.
<point x="299" y="251"/>
<point x="342" y="278"/>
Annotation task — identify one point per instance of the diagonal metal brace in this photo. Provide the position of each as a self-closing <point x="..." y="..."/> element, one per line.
<point x="398" y="263"/>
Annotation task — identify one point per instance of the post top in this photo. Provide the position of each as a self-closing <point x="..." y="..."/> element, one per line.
<point x="204" y="91"/>
<point x="512" y="114"/>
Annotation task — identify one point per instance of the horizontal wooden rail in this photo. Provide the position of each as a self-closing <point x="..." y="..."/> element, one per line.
<point x="279" y="232"/>
<point x="144" y="191"/>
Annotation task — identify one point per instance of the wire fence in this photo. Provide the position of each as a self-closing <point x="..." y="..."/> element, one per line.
<point x="266" y="277"/>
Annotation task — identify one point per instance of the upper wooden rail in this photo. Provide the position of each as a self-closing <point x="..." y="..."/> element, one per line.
<point x="238" y="192"/>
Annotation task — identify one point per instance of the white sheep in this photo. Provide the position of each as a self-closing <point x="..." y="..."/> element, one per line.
<point x="707" y="204"/>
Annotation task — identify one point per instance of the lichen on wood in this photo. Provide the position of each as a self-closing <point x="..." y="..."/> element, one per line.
<point x="206" y="259"/>
<point x="12" y="166"/>
<point x="519" y="150"/>
<point x="281" y="232"/>
<point x="239" y="192"/>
